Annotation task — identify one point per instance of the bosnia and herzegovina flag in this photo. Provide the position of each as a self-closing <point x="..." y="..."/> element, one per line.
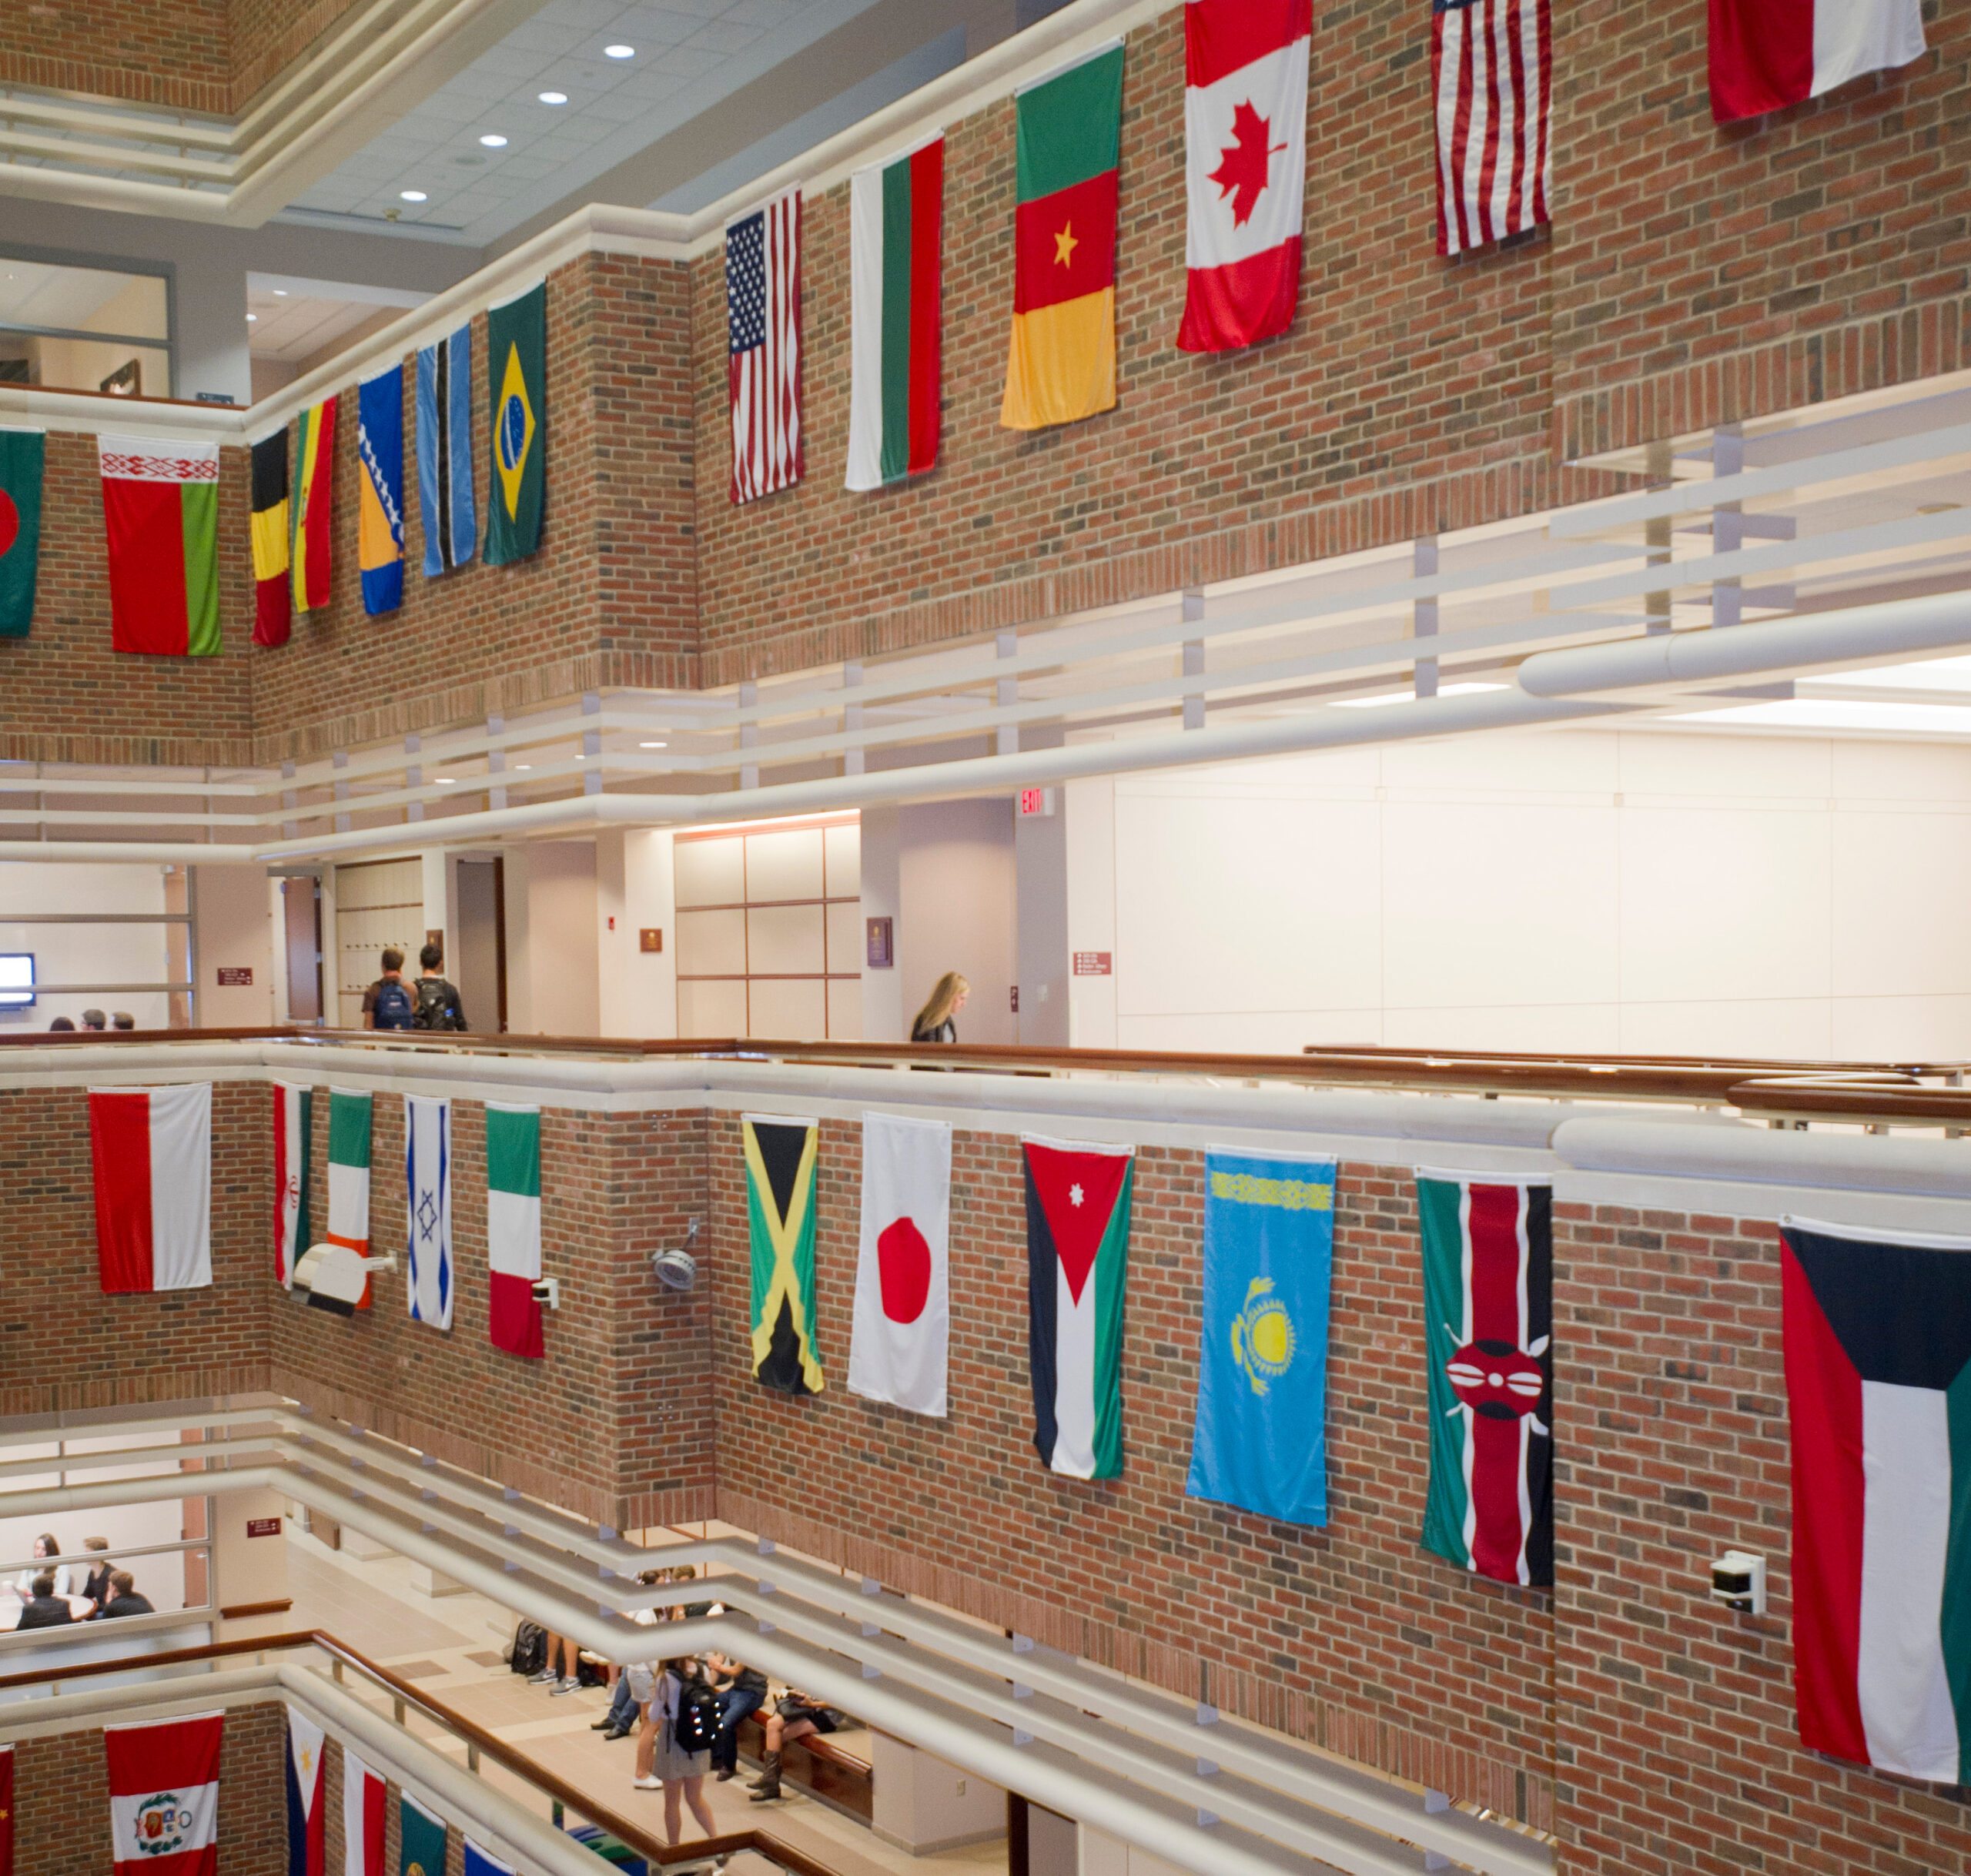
<point x="1488" y="1321"/>
<point x="896" y="231"/>
<point x="314" y="504"/>
<point x="273" y="608"/>
<point x="379" y="491"/>
<point x="780" y="1157"/>
<point x="1077" y="1257"/>
<point x="307" y="1808"/>
<point x="1063" y="362"/>
<point x="1876" y="1328"/>
<point x="517" y="374"/>
<point x="444" y="452"/>
<point x="1261" y="1441"/>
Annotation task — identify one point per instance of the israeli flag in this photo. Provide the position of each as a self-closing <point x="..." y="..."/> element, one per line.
<point x="427" y="1156"/>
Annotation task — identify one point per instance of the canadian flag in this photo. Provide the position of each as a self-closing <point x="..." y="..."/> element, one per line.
<point x="1246" y="167"/>
<point x="899" y="1340"/>
<point x="164" y="1795"/>
<point x="152" y="1148"/>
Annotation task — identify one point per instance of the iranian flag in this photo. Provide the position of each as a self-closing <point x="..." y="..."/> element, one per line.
<point x="1077" y="1254"/>
<point x="365" y="1811"/>
<point x="151" y="1147"/>
<point x="350" y="1113"/>
<point x="899" y="1348"/>
<point x="164" y="1796"/>
<point x="160" y="510"/>
<point x="1876" y="1331"/>
<point x="294" y="1108"/>
<point x="307" y="1807"/>
<point x="513" y="1227"/>
<point x="1488" y="1311"/>
<point x="896" y="226"/>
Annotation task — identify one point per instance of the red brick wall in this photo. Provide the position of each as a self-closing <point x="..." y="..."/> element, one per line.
<point x="172" y="52"/>
<point x="265" y="36"/>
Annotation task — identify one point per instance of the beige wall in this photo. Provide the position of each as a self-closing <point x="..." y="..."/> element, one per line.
<point x="234" y="926"/>
<point x="955" y="909"/>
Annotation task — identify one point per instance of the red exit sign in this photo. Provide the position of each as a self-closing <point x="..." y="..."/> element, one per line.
<point x="1036" y="801"/>
<point x="1094" y="964"/>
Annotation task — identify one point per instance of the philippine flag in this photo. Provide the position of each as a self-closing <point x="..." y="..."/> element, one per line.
<point x="164" y="1795"/>
<point x="364" y="1811"/>
<point x="307" y="1815"/>
<point x="899" y="1342"/>
<point x="1765" y="54"/>
<point x="152" y="1149"/>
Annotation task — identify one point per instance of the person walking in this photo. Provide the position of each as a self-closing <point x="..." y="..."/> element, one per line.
<point x="934" y="1022"/>
<point x="438" y="1004"/>
<point x="388" y="1003"/>
<point x="661" y="1762"/>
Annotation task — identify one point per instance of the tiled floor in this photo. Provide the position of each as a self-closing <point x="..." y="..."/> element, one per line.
<point x="450" y="1644"/>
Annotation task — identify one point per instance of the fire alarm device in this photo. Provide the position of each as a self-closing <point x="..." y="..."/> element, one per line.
<point x="651" y="937"/>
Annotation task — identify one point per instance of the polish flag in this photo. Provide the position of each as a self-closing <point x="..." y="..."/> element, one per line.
<point x="152" y="1149"/>
<point x="1767" y="53"/>
<point x="364" y="1809"/>
<point x="164" y="1796"/>
<point x="1246" y="167"/>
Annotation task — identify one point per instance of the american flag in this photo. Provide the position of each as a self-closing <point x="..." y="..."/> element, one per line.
<point x="763" y="328"/>
<point x="1492" y="70"/>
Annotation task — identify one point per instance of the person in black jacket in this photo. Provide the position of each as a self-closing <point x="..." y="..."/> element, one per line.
<point x="438" y="1004"/>
<point x="96" y="1586"/>
<point x="124" y="1600"/>
<point x="44" y="1608"/>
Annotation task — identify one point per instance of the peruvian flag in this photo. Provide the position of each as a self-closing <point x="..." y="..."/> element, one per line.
<point x="364" y="1808"/>
<point x="1488" y="1306"/>
<point x="1077" y="1255"/>
<point x="293" y="1113"/>
<point x="1876" y="1331"/>
<point x="164" y="1796"/>
<point x="1245" y="168"/>
<point x="153" y="1150"/>
<point x="1765" y="54"/>
<point x="900" y="1341"/>
<point x="307" y="1811"/>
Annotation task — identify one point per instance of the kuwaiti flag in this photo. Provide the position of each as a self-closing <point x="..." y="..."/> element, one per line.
<point x="513" y="1227"/>
<point x="365" y="1811"/>
<point x="428" y="1163"/>
<point x="164" y="1795"/>
<point x="160" y="512"/>
<point x="896" y="213"/>
<point x="1876" y="1329"/>
<point x="153" y="1150"/>
<point x="293" y="1112"/>
<point x="1767" y="53"/>
<point x="1077" y="1254"/>
<point x="1245" y="168"/>
<point x="899" y="1341"/>
<point x="349" y="1116"/>
<point x="307" y="1808"/>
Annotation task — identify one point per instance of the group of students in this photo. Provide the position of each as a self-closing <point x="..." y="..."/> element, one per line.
<point x="95" y="1019"/>
<point x="49" y="1595"/>
<point x="396" y="1002"/>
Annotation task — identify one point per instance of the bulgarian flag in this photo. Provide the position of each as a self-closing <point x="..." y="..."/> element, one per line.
<point x="313" y="507"/>
<point x="896" y="226"/>
<point x="164" y="1795"/>
<point x="1077" y="1254"/>
<point x="349" y="1175"/>
<point x="1488" y="1314"/>
<point x="153" y="1151"/>
<point x="160" y="512"/>
<point x="513" y="1227"/>
<point x="294" y="1109"/>
<point x="1876" y="1331"/>
<point x="1063" y="362"/>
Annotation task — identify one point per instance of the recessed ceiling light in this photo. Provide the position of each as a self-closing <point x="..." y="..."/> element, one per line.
<point x="1410" y="697"/>
<point x="554" y="97"/>
<point x="493" y="141"/>
<point x="446" y="781"/>
<point x="523" y="765"/>
<point x="619" y="52"/>
<point x="412" y="195"/>
<point x="653" y="745"/>
<point x="251" y="317"/>
<point x="280" y="292"/>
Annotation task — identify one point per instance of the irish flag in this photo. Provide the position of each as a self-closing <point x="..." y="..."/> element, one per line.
<point x="1063" y="362"/>
<point x="153" y="1151"/>
<point x="164" y="1795"/>
<point x="513" y="1227"/>
<point x="294" y="1108"/>
<point x="349" y="1174"/>
<point x="1768" y="54"/>
<point x="1077" y="1255"/>
<point x="1876" y="1330"/>
<point x="895" y="226"/>
<point x="160" y="512"/>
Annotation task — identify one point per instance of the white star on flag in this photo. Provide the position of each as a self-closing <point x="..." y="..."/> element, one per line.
<point x="1074" y="1194"/>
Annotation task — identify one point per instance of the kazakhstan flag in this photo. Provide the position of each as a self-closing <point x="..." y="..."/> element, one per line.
<point x="1261" y="1440"/>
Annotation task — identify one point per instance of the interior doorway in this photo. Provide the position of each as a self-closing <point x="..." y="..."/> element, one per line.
<point x="301" y="930"/>
<point x="480" y="955"/>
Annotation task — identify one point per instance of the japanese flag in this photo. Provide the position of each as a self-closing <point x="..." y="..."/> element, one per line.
<point x="898" y="1345"/>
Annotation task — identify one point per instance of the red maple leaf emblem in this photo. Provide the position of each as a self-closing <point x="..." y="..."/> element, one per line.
<point x="1243" y="162"/>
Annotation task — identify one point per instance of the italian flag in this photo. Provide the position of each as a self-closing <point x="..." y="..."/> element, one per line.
<point x="513" y="1227"/>
<point x="152" y="1152"/>
<point x="1077" y="1255"/>
<point x="160" y="512"/>
<point x="164" y="1795"/>
<point x="349" y="1175"/>
<point x="896" y="226"/>
<point x="294" y="1108"/>
<point x="1876" y="1331"/>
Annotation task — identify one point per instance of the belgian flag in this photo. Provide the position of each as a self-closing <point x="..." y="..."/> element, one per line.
<point x="273" y="606"/>
<point x="781" y="1157"/>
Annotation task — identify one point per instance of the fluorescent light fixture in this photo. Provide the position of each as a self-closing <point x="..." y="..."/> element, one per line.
<point x="280" y="292"/>
<point x="1925" y="674"/>
<point x="653" y="745"/>
<point x="1410" y="697"/>
<point x="619" y="52"/>
<point x="523" y="765"/>
<point x="493" y="141"/>
<point x="1807" y="713"/>
<point x="16" y="980"/>
<point x="412" y="195"/>
<point x="446" y="781"/>
<point x="554" y="97"/>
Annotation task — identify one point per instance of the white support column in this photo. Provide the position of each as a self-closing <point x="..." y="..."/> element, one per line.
<point x="851" y="716"/>
<point x="1194" y="658"/>
<point x="439" y="902"/>
<point x="884" y="1016"/>
<point x="749" y="734"/>
<point x="414" y="776"/>
<point x="1090" y="806"/>
<point x="496" y="763"/>
<point x="340" y="761"/>
<point x="636" y="990"/>
<point x="592" y="745"/>
<point x="519" y="873"/>
<point x="1728" y="458"/>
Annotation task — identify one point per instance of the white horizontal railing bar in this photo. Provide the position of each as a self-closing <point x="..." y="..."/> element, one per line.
<point x="127" y="1456"/>
<point x="214" y="169"/>
<point x="88" y="1560"/>
<point x="114" y="121"/>
<point x="46" y="783"/>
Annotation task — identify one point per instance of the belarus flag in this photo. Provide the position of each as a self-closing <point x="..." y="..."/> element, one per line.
<point x="364" y="1809"/>
<point x="153" y="1156"/>
<point x="1876" y="1328"/>
<point x="899" y="1344"/>
<point x="1765" y="54"/>
<point x="164" y="1796"/>
<point x="1077" y="1250"/>
<point x="1246" y="167"/>
<point x="160" y="511"/>
<point x="307" y="1811"/>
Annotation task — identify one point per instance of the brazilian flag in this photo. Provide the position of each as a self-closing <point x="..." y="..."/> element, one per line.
<point x="516" y="375"/>
<point x="20" y="453"/>
<point x="781" y="1156"/>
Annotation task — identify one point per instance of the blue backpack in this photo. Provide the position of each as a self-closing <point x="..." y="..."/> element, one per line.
<point x="392" y="1007"/>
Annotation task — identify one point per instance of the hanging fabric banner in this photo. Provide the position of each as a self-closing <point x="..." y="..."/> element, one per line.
<point x="294" y="1108"/>
<point x="273" y="597"/>
<point x="313" y="507"/>
<point x="781" y="1156"/>
<point x="160" y="511"/>
<point x="896" y="213"/>
<point x="899" y="1345"/>
<point x="427" y="1131"/>
<point x="513" y="1227"/>
<point x="23" y="453"/>
<point x="152" y="1149"/>
<point x="307" y="1809"/>
<point x="380" y="490"/>
<point x="516" y="377"/>
<point x="444" y="452"/>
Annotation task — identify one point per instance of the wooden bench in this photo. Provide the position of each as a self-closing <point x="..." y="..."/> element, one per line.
<point x="823" y="1765"/>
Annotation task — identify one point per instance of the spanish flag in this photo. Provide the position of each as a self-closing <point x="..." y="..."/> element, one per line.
<point x="781" y="1158"/>
<point x="1062" y="363"/>
<point x="314" y="492"/>
<point x="272" y="608"/>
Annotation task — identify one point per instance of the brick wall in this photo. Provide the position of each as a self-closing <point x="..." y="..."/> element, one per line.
<point x="171" y="53"/>
<point x="265" y="36"/>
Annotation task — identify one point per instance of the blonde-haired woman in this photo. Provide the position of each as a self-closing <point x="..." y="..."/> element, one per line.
<point x="934" y="1022"/>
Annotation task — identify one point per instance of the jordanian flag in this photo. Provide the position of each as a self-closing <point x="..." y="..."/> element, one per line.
<point x="896" y="227"/>
<point x="349" y="1175"/>
<point x="1077" y="1255"/>
<point x="781" y="1157"/>
<point x="1488" y="1309"/>
<point x="1876" y="1328"/>
<point x="513" y="1227"/>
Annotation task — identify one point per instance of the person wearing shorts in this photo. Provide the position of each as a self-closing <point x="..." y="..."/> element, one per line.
<point x="661" y="1763"/>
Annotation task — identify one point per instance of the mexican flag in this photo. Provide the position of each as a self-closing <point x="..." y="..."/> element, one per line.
<point x="20" y="454"/>
<point x="153" y="1151"/>
<point x="160" y="512"/>
<point x="513" y="1227"/>
<point x="1077" y="1255"/>
<point x="896" y="226"/>
<point x="294" y="1109"/>
<point x="349" y="1174"/>
<point x="1876" y="1328"/>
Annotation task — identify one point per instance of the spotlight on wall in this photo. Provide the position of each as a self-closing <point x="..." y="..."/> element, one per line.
<point x="1738" y="1580"/>
<point x="331" y="1276"/>
<point x="678" y="1269"/>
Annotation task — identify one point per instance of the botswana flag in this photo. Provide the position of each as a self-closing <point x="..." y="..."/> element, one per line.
<point x="781" y="1157"/>
<point x="444" y="452"/>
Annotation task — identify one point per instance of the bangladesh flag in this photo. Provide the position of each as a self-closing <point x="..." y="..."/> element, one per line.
<point x="896" y="226"/>
<point x="1063" y="362"/>
<point x="349" y="1174"/>
<point x="1488" y="1320"/>
<point x="1876" y="1330"/>
<point x="781" y="1157"/>
<point x="160" y="512"/>
<point x="516" y="373"/>
<point x="513" y="1227"/>
<point x="1077" y="1255"/>
<point x="21" y="454"/>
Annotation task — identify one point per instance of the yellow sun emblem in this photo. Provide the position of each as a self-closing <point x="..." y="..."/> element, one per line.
<point x="1263" y="1337"/>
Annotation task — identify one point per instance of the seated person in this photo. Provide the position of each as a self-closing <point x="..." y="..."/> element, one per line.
<point x="43" y="1608"/>
<point x="96" y="1587"/>
<point x="124" y="1600"/>
<point x="620" y="1720"/>
<point x="63" y="1579"/>
<point x="741" y="1691"/>
<point x="794" y="1717"/>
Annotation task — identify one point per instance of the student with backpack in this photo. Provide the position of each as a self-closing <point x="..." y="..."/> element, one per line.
<point x="679" y="1715"/>
<point x="388" y="1003"/>
<point x="438" y="1004"/>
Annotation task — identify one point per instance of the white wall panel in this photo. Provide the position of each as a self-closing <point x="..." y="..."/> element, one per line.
<point x="784" y="938"/>
<point x="788" y="1010"/>
<point x="783" y="866"/>
<point x="1902" y="890"/>
<point x="718" y="1008"/>
<point x="711" y="944"/>
<point x="711" y="872"/>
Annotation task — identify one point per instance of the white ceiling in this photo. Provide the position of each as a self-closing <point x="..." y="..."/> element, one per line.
<point x="292" y="318"/>
<point x="35" y="294"/>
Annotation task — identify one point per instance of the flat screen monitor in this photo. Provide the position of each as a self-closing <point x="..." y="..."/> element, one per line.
<point x="16" y="979"/>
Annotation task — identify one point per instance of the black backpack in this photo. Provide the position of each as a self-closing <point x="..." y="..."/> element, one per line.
<point x="437" y="1003"/>
<point x="698" y="1717"/>
<point x="390" y="1008"/>
<point x="530" y="1654"/>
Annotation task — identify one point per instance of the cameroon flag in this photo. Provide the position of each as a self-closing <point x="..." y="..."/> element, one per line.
<point x="1062" y="363"/>
<point x="779" y="1215"/>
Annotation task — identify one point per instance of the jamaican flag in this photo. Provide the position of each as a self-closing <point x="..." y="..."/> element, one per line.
<point x="780" y="1216"/>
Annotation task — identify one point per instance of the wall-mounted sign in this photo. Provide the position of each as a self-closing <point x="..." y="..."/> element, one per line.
<point x="651" y="937"/>
<point x="1036" y="801"/>
<point x="1094" y="964"/>
<point x="881" y="951"/>
<point x="264" y="1527"/>
<point x="235" y="977"/>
